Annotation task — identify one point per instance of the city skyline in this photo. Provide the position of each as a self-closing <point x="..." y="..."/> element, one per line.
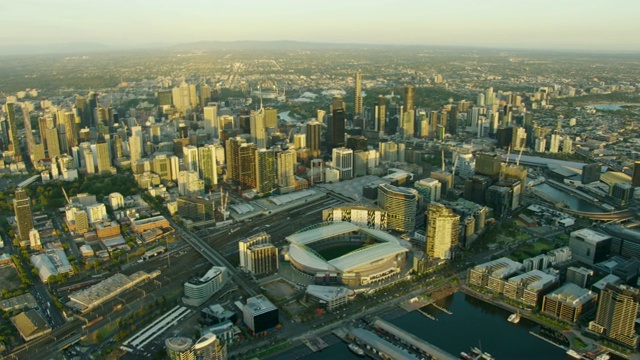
<point x="75" y="25"/>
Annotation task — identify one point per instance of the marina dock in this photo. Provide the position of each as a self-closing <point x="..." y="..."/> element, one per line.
<point x="315" y="343"/>
<point x="442" y="309"/>
<point x="427" y="315"/>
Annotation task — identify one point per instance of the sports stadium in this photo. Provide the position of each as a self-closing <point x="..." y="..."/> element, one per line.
<point x="353" y="255"/>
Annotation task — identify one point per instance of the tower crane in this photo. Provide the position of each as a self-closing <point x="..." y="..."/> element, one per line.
<point x="519" y="156"/>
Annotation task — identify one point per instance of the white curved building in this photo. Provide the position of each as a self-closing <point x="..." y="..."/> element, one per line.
<point x="209" y="347"/>
<point x="379" y="257"/>
<point x="199" y="290"/>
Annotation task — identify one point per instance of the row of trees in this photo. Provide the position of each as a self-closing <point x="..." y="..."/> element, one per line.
<point x="50" y="195"/>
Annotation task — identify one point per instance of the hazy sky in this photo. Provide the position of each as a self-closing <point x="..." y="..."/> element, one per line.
<point x="553" y="24"/>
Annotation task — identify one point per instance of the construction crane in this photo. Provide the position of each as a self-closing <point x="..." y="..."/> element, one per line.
<point x="519" y="156"/>
<point x="290" y="133"/>
<point x="65" y="196"/>
<point x="455" y="164"/>
<point x="224" y="202"/>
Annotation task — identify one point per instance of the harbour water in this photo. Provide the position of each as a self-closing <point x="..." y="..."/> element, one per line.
<point x="572" y="202"/>
<point x="472" y="323"/>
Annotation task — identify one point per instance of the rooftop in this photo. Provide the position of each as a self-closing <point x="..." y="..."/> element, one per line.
<point x="212" y="273"/>
<point x="589" y="236"/>
<point x="500" y="268"/>
<point x="380" y="344"/>
<point x="328" y="293"/>
<point x="259" y="305"/>
<point x="534" y="280"/>
<point x="572" y="294"/>
<point x="30" y="323"/>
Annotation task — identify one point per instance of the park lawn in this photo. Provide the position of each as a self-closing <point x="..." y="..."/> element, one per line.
<point x="9" y="278"/>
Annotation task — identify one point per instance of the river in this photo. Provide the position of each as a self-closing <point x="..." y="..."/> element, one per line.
<point x="473" y="323"/>
<point x="572" y="202"/>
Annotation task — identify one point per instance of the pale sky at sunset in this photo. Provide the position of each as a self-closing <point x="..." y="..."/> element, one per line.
<point x="543" y="24"/>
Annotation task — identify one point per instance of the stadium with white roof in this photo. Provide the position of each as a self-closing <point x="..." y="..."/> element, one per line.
<point x="377" y="255"/>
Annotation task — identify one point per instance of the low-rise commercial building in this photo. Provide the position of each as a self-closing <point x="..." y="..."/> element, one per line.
<point x="329" y="297"/>
<point x="260" y="315"/>
<point x="529" y="287"/>
<point x="568" y="302"/>
<point x="491" y="275"/>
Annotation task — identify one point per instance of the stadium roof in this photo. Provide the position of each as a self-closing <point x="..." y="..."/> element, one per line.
<point x="388" y="245"/>
<point x="355" y="259"/>
<point x="331" y="229"/>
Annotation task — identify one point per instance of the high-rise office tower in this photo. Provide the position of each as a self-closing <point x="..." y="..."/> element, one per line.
<point x="245" y="244"/>
<point x="225" y="122"/>
<point x="247" y="166"/>
<point x="299" y="141"/>
<point x="93" y="106"/>
<point x="208" y="165"/>
<point x="44" y="123"/>
<point x="67" y="130"/>
<point x="135" y="149"/>
<point x="232" y="147"/>
<point x="189" y="183"/>
<point x="380" y="114"/>
<point x="429" y="189"/>
<point x="156" y="134"/>
<point x="320" y="114"/>
<point x="616" y="314"/>
<point x="204" y="93"/>
<point x="82" y="109"/>
<point x="258" y="128"/>
<point x="554" y="144"/>
<point x="489" y="96"/>
<point x="518" y="137"/>
<point x="162" y="166"/>
<point x="286" y="170"/>
<point x="184" y="97"/>
<point x="52" y="141"/>
<point x="211" y="119"/>
<point x="22" y="211"/>
<point x="270" y="117"/>
<point x="357" y="95"/>
<point x="338" y="103"/>
<point x="343" y="161"/>
<point x="165" y="97"/>
<point x="635" y="179"/>
<point x="11" y="131"/>
<point x="314" y="132"/>
<point x="62" y="138"/>
<point x="407" y="124"/>
<point x="337" y="129"/>
<point x="174" y="164"/>
<point x="442" y="231"/>
<point x="567" y="145"/>
<point x="453" y="120"/>
<point x="104" y="159"/>
<point x="183" y="131"/>
<point x="488" y="164"/>
<point x="265" y="170"/>
<point x="400" y="203"/>
<point x="409" y="93"/>
<point x="27" y="130"/>
<point x="190" y="159"/>
<point x="88" y="160"/>
<point x="137" y="131"/>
